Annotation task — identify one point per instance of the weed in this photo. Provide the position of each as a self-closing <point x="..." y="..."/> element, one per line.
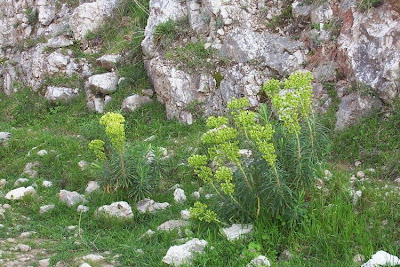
<point x="365" y="5"/>
<point x="32" y="15"/>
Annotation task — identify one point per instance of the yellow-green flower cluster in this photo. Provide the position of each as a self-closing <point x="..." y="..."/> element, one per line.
<point x="224" y="176"/>
<point x="114" y="123"/>
<point x="199" y="163"/>
<point x="238" y="103"/>
<point x="295" y="101"/>
<point x="219" y="135"/>
<point x="201" y="212"/>
<point x="98" y="148"/>
<point x="216" y="122"/>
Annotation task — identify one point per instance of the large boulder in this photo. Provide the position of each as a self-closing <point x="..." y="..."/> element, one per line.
<point x="105" y="83"/>
<point x="88" y="17"/>
<point x="55" y="94"/>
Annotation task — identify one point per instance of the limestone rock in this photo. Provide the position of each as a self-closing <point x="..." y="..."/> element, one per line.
<point x="71" y="198"/>
<point x="236" y="231"/>
<point x="82" y="208"/>
<point x="185" y="214"/>
<point x="59" y="41"/>
<point x="83" y="164"/>
<point x="46" y="11"/>
<point x="259" y="261"/>
<point x="55" y="94"/>
<point x="105" y="83"/>
<point x="353" y="107"/>
<point x="92" y="186"/>
<point x="47" y="183"/>
<point x="179" y="195"/>
<point x="172" y="224"/>
<point x="19" y="193"/>
<point x="382" y="258"/>
<point x="108" y="61"/>
<point x="42" y="152"/>
<point x="3" y="183"/>
<point x="4" y="136"/>
<point x="44" y="263"/>
<point x="117" y="209"/>
<point x="93" y="258"/>
<point x="46" y="208"/>
<point x="23" y="248"/>
<point x="149" y="205"/>
<point x="131" y="103"/>
<point x="89" y="16"/>
<point x="20" y="181"/>
<point x="179" y="255"/>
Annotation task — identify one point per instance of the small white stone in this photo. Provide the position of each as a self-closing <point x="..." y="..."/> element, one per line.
<point x="20" y="181"/>
<point x="259" y="261"/>
<point x="208" y="196"/>
<point x="72" y="227"/>
<point x="3" y="183"/>
<point x="382" y="258"/>
<point x="178" y="255"/>
<point x="85" y="265"/>
<point x="149" y="205"/>
<point x="83" y="164"/>
<point x="207" y="45"/>
<point x="172" y="224"/>
<point x="356" y="195"/>
<point x="195" y="195"/>
<point x="185" y="214"/>
<point x="93" y="258"/>
<point x="44" y="263"/>
<point x="20" y="193"/>
<point x="236" y="231"/>
<point x="119" y="209"/>
<point x="357" y="163"/>
<point x="46" y="208"/>
<point x="27" y="234"/>
<point x="220" y="32"/>
<point x="82" y="208"/>
<point x="47" y="184"/>
<point x="92" y="186"/>
<point x="179" y="195"/>
<point x="42" y="152"/>
<point x="360" y="174"/>
<point x="150" y="138"/>
<point x="23" y="248"/>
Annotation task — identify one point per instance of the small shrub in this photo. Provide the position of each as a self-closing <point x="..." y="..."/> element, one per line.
<point x="272" y="181"/>
<point x="365" y="5"/>
<point x="132" y="169"/>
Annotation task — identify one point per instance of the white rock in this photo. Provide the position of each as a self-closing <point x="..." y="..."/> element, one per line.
<point x="44" y="263"/>
<point x="150" y="138"/>
<point x="360" y="174"/>
<point x="185" y="214"/>
<point x="3" y="183"/>
<point x="20" y="193"/>
<point x="179" y="195"/>
<point x="47" y="183"/>
<point x="92" y="186"/>
<point x="1" y="226"/>
<point x="133" y="102"/>
<point x="6" y="206"/>
<point x="55" y="94"/>
<point x="382" y="258"/>
<point x="357" y="163"/>
<point x="259" y="261"/>
<point x="208" y="196"/>
<point x="46" y="11"/>
<point x="59" y="41"/>
<point x="358" y="259"/>
<point x="71" y="198"/>
<point x="20" y="181"/>
<point x="89" y="16"/>
<point x="236" y="231"/>
<point x="178" y="255"/>
<point x="93" y="258"/>
<point x="28" y="170"/>
<point x="328" y="174"/>
<point x="83" y="164"/>
<point x="109" y="61"/>
<point x="356" y="195"/>
<point x="148" y="92"/>
<point x="195" y="195"/>
<point x="148" y="233"/>
<point x="105" y="83"/>
<point x="46" y="208"/>
<point x="149" y="205"/>
<point x="27" y="234"/>
<point x="117" y="209"/>
<point x="85" y="265"/>
<point x="42" y="152"/>
<point x="82" y="208"/>
<point x="172" y="224"/>
<point x="4" y="136"/>
<point x="23" y="248"/>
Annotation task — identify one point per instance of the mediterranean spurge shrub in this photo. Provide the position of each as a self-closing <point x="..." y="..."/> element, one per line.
<point x="129" y="168"/>
<point x="262" y="163"/>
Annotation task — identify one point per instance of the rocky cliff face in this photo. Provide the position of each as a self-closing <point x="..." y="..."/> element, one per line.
<point x="214" y="50"/>
<point x="253" y="41"/>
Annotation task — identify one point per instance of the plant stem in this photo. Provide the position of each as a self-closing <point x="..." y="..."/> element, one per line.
<point x="298" y="144"/>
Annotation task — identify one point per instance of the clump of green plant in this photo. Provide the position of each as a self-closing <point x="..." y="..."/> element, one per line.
<point x="364" y="5"/>
<point x="132" y="169"/>
<point x="167" y="32"/>
<point x="192" y="55"/>
<point x="260" y="165"/>
<point x="32" y="15"/>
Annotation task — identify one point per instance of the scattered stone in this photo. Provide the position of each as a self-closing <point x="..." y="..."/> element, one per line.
<point x="3" y="183"/>
<point x="356" y="195"/>
<point x="109" y="61"/>
<point x="148" y="233"/>
<point x="20" y="193"/>
<point x="85" y="265"/>
<point x="382" y="258"/>
<point x="47" y="183"/>
<point x="357" y="163"/>
<point x="259" y="261"/>
<point x="149" y="205"/>
<point x="6" y="206"/>
<point x="71" y="198"/>
<point x="20" y="181"/>
<point x="83" y="164"/>
<point x="195" y="195"/>
<point x="23" y="248"/>
<point x="139" y="250"/>
<point x="93" y="258"/>
<point x="208" y="196"/>
<point x="72" y="227"/>
<point x="92" y="186"/>
<point x="82" y="208"/>
<point x="1" y="226"/>
<point x="328" y="174"/>
<point x="172" y="224"/>
<point x="28" y="170"/>
<point x="27" y="234"/>
<point x="133" y="102"/>
<point x="185" y="214"/>
<point x="105" y="83"/>
<point x="179" y="195"/>
<point x="397" y="180"/>
<point x="4" y="136"/>
<point x="46" y="208"/>
<point x="59" y="41"/>
<point x="117" y="209"/>
<point x="44" y="263"/>
<point x="285" y="255"/>
<point x="55" y="94"/>
<point x="151" y="138"/>
<point x="148" y="92"/>
<point x="360" y="174"/>
<point x="236" y="231"/>
<point x="178" y="255"/>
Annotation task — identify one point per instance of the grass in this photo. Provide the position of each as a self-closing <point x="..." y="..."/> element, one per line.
<point x="332" y="232"/>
